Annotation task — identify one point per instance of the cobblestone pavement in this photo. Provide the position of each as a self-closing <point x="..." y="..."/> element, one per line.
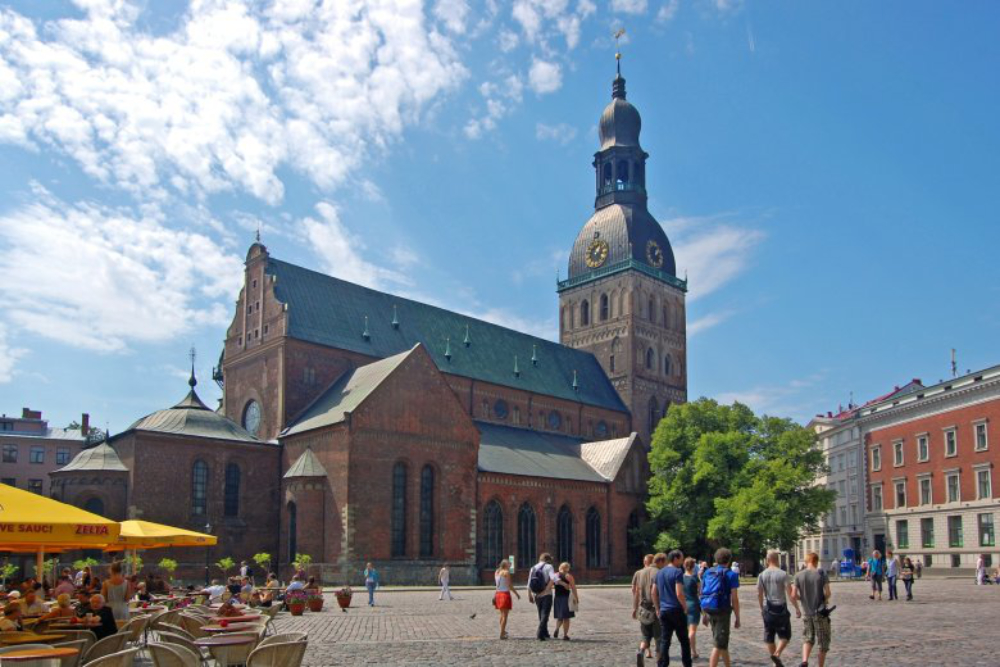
<point x="414" y="628"/>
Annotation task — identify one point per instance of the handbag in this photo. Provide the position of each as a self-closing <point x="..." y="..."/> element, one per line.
<point x="494" y="600"/>
<point x="574" y="604"/>
<point x="647" y="613"/>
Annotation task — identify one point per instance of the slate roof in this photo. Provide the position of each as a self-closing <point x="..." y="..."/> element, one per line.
<point x="329" y="311"/>
<point x="346" y="394"/>
<point x="194" y="418"/>
<point x="100" y="458"/>
<point x="307" y="465"/>
<point x="521" y="451"/>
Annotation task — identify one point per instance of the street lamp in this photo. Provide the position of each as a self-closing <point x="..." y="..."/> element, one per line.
<point x="208" y="531"/>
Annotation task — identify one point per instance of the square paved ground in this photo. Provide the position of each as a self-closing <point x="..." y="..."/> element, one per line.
<point x="950" y="622"/>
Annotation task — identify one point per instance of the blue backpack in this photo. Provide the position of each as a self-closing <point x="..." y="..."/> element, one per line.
<point x="715" y="589"/>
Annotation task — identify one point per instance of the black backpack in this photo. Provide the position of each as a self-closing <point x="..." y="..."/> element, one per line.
<point x="537" y="581"/>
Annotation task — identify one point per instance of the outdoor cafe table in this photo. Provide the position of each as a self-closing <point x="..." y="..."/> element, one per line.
<point x="242" y="618"/>
<point x="39" y="657"/>
<point x="146" y="610"/>
<point x="29" y="638"/>
<point x="82" y="624"/>
<point x="231" y="627"/>
<point x="221" y="646"/>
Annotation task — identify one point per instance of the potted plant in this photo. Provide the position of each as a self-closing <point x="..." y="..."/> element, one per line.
<point x="7" y="571"/>
<point x="226" y="564"/>
<point x="314" y="599"/>
<point x="344" y="597"/>
<point x="168" y="565"/>
<point x="302" y="562"/>
<point x="263" y="560"/>
<point x="296" y="602"/>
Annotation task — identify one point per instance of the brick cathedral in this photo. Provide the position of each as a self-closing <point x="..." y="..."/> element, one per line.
<point x="360" y="426"/>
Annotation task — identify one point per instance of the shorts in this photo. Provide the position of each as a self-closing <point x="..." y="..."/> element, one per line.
<point x="779" y="625"/>
<point x="816" y="630"/>
<point x="650" y="632"/>
<point x="719" y="622"/>
<point x="504" y="601"/>
<point x="694" y="615"/>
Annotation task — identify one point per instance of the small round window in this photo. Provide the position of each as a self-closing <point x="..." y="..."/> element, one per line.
<point x="500" y="409"/>
<point x="601" y="430"/>
<point x="555" y="420"/>
<point x="251" y="417"/>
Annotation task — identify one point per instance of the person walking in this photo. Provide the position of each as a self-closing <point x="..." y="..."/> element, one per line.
<point x="812" y="589"/>
<point x="920" y="568"/>
<point x="501" y="598"/>
<point x="906" y="574"/>
<point x="540" y="592"/>
<point x="565" y="601"/>
<point x="444" y="578"/>
<point x="774" y="589"/>
<point x="371" y="582"/>
<point x="891" y="574"/>
<point x="875" y="573"/>
<point x="720" y="603"/>
<point x="644" y="610"/>
<point x="980" y="570"/>
<point x="692" y="595"/>
<point x="117" y="591"/>
<point x="668" y="598"/>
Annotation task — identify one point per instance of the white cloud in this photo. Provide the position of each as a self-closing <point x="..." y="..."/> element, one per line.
<point x="544" y="76"/>
<point x="540" y="20"/>
<point x="668" y="11"/>
<point x="706" y="322"/>
<point x="227" y="99"/>
<point x="629" y="6"/>
<point x="9" y="356"/>
<point x="452" y="13"/>
<point x="560" y="132"/>
<point x="507" y="41"/>
<point x="710" y="252"/>
<point x="499" y="98"/>
<point x="99" y="278"/>
<point x="795" y="398"/>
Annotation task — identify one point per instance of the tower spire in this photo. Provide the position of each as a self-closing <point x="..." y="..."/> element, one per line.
<point x="618" y="51"/>
<point x="192" y="381"/>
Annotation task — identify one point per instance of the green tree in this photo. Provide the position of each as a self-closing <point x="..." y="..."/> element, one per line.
<point x="7" y="570"/>
<point x="84" y="562"/>
<point x="302" y="561"/>
<point x="226" y="564"/>
<point x="724" y="476"/>
<point x="168" y="565"/>
<point x="263" y="560"/>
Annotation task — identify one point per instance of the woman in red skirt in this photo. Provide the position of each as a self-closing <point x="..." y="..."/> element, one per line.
<point x="501" y="599"/>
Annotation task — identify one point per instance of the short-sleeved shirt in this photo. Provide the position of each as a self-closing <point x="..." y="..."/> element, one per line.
<point x="891" y="567"/>
<point x="810" y="584"/>
<point x="875" y="567"/>
<point x="773" y="582"/>
<point x="549" y="572"/>
<point x="666" y="584"/>
<point x="644" y="579"/>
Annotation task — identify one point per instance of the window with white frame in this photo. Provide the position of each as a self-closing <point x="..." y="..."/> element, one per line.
<point x="951" y="442"/>
<point x="897" y="453"/>
<point x="877" y="497"/>
<point x="843" y="515"/>
<point x="954" y="488"/>
<point x="876" y="458"/>
<point x="982" y="441"/>
<point x="984" y="483"/>
<point x="900" y="493"/>
<point x="926" y="497"/>
<point x="854" y="514"/>
<point x="923" y="448"/>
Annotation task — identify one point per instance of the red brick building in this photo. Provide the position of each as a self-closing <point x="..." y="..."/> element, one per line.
<point x="359" y="426"/>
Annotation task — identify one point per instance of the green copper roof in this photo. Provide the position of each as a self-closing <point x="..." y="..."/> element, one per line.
<point x="307" y="465"/>
<point x="332" y="312"/>
<point x="100" y="458"/>
<point x="194" y="418"/>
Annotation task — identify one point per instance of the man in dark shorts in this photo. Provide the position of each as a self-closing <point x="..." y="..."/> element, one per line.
<point x="773" y="591"/>
<point x="812" y="589"/>
<point x="720" y="604"/>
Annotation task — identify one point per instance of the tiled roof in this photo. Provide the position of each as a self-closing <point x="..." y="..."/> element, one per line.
<point x="332" y="312"/>
<point x="99" y="458"/>
<point x="52" y="433"/>
<point x="607" y="456"/>
<point x="345" y="395"/>
<point x="307" y="465"/>
<point x="194" y="418"/>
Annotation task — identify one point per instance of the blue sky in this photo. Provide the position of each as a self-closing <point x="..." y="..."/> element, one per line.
<point x="826" y="172"/>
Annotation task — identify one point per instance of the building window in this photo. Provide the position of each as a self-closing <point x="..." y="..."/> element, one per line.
<point x="526" y="535"/>
<point x="897" y="453"/>
<point x="928" y="560"/>
<point x="956" y="560"/>
<point x="492" y="535"/>
<point x="984" y="483"/>
<point x="231" y="504"/>
<point x="37" y="454"/>
<point x="927" y="533"/>
<point x="593" y="538"/>
<point x="950" y="442"/>
<point x="611" y="363"/>
<point x="925" y="491"/>
<point x="954" y="488"/>
<point x="901" y="493"/>
<point x="982" y="444"/>
<point x="954" y="531"/>
<point x="986" y="535"/>
<point x="398" y="527"/>
<point x="35" y="486"/>
<point x="877" y="498"/>
<point x="564" y="535"/>
<point x="654" y="417"/>
<point x="903" y="534"/>
<point x="650" y="359"/>
<point x="585" y="313"/>
<point x="199" y="487"/>
<point x="876" y="459"/>
<point x="923" y="448"/>
<point x="9" y="481"/>
<point x="666" y="364"/>
<point x="427" y="512"/>
<point x="309" y="375"/>
<point x="10" y="453"/>
<point x="62" y="456"/>
<point x="605" y="307"/>
<point x="293" y="529"/>
<point x="94" y="506"/>
<point x="517" y="415"/>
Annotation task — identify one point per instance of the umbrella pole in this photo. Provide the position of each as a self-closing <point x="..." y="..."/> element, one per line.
<point x="39" y="561"/>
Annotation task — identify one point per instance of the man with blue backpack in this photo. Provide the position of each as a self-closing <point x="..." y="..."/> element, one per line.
<point x="540" y="592"/>
<point x="720" y="602"/>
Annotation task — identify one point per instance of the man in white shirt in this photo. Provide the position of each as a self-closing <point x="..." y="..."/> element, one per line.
<point x="444" y="577"/>
<point x="215" y="591"/>
<point x="32" y="606"/>
<point x="542" y="598"/>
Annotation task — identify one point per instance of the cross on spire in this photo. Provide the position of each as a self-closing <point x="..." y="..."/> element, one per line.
<point x="618" y="51"/>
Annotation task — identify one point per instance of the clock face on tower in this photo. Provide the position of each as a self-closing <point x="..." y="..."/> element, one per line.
<point x="597" y="253"/>
<point x="654" y="255"/>
<point x="251" y="417"/>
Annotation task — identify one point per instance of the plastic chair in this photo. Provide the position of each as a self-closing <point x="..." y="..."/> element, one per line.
<point x="106" y="646"/>
<point x="236" y="654"/>
<point x="183" y="641"/>
<point x="73" y="660"/>
<point x="135" y="628"/>
<point x="74" y="635"/>
<point x="284" y="637"/>
<point x="173" y="655"/>
<point x="192" y="625"/>
<point x="120" y="659"/>
<point x="175" y="629"/>
<point x="288" y="654"/>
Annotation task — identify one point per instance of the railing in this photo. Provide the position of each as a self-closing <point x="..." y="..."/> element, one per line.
<point x="630" y="263"/>
<point x="620" y="186"/>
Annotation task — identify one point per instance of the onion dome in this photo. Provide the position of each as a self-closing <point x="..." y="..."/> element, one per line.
<point x="620" y="123"/>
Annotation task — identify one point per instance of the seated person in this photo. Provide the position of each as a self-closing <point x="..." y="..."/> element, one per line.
<point x="82" y="603"/>
<point x="32" y="606"/>
<point x="297" y="584"/>
<point x="63" y="608"/>
<point x="234" y="587"/>
<point x="246" y="589"/>
<point x="311" y="585"/>
<point x="108" y="626"/>
<point x="215" y="591"/>
<point x="256" y="600"/>
<point x="11" y="621"/>
<point x="141" y="594"/>
<point x="64" y="586"/>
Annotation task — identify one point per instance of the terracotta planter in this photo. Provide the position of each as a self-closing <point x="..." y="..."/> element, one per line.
<point x="315" y="604"/>
<point x="297" y="608"/>
<point x="344" y="601"/>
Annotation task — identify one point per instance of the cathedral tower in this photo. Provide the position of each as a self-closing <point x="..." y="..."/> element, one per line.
<point x="623" y="300"/>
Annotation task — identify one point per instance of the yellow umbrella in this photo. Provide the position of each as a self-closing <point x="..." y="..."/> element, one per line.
<point x="148" y="535"/>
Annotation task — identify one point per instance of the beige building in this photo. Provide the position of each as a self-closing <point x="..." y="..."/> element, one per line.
<point x="31" y="449"/>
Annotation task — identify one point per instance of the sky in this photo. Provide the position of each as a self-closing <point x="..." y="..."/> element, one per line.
<point x="826" y="173"/>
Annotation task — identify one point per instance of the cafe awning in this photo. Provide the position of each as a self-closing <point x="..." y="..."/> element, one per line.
<point x="137" y="535"/>
<point x="28" y="520"/>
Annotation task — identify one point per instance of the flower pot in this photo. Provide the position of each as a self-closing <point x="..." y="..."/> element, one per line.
<point x="315" y="604"/>
<point x="297" y="608"/>
<point x="344" y="601"/>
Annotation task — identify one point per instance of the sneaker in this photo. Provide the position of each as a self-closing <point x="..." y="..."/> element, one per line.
<point x="777" y="661"/>
<point x="640" y="659"/>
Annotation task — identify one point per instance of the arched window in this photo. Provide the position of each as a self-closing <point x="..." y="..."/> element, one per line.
<point x="653" y="414"/>
<point x="666" y="316"/>
<point x="652" y="310"/>
<point x="526" y="545"/>
<point x="633" y="540"/>
<point x="585" y="313"/>
<point x="605" y="307"/>
<point x="611" y="364"/>
<point x="492" y="534"/>
<point x="231" y="504"/>
<point x="564" y="535"/>
<point x="607" y="173"/>
<point x="199" y="487"/>
<point x="622" y="171"/>
<point x="593" y="538"/>
<point x="94" y="506"/>
<point x="293" y="530"/>
<point x="427" y="512"/>
<point x="650" y="359"/>
<point x="397" y="528"/>
<point x="666" y="364"/>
